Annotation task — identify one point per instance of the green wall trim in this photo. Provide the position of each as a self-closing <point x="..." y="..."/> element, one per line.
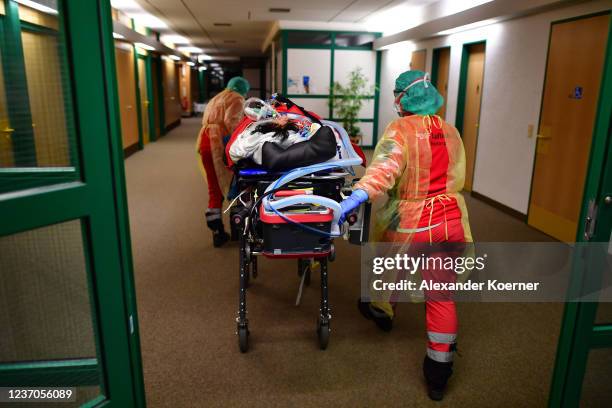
<point x="283" y="44"/>
<point x="60" y="373"/>
<point x="376" y="98"/>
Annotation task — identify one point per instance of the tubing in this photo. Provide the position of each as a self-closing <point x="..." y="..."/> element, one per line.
<point x="310" y="199"/>
<point x="302" y="171"/>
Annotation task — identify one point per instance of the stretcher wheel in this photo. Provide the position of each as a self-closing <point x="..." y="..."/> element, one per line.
<point x="323" y="331"/>
<point x="243" y="338"/>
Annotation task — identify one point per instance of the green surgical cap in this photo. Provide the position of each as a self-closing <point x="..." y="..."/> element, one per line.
<point x="239" y="84"/>
<point x="422" y="98"/>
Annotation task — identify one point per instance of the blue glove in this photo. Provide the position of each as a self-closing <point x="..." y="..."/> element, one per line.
<point x="358" y="197"/>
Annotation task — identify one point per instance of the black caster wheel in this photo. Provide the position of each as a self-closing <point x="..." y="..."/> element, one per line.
<point x="323" y="332"/>
<point x="243" y="338"/>
<point x="307" y="277"/>
<point x="332" y="254"/>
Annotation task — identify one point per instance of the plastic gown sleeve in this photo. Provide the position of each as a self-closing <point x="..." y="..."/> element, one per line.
<point x="387" y="164"/>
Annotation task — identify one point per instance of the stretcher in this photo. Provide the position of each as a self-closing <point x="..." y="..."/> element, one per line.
<point x="294" y="214"/>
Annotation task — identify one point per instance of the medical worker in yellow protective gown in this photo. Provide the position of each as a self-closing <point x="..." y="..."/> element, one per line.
<point x="223" y="113"/>
<point x="420" y="164"/>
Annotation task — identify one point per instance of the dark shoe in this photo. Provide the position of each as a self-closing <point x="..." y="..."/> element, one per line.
<point x="382" y="320"/>
<point x="219" y="238"/>
<point x="436" y="376"/>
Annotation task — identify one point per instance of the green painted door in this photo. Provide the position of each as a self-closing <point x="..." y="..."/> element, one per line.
<point x="67" y="307"/>
<point x="584" y="356"/>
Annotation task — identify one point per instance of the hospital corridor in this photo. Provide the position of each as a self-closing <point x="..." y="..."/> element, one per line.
<point x="345" y="203"/>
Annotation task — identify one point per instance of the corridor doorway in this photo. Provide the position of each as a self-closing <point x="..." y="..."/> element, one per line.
<point x="468" y="106"/>
<point x="569" y="105"/>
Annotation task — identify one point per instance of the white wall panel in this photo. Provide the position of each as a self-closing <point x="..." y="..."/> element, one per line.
<point x="346" y="61"/>
<point x="315" y="64"/>
<point x="366" y="111"/>
<point x="316" y="105"/>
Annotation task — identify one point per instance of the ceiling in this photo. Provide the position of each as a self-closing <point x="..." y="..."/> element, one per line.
<point x="252" y="20"/>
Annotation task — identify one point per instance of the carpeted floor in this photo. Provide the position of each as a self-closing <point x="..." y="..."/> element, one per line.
<point x="187" y="300"/>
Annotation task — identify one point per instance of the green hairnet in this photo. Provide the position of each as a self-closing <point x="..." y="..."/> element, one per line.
<point x="422" y="98"/>
<point x="239" y="84"/>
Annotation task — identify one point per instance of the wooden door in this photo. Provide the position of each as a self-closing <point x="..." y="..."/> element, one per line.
<point x="6" y="131"/>
<point x="126" y="83"/>
<point x="471" y="113"/>
<point x="571" y="93"/>
<point x="144" y="100"/>
<point x="44" y="80"/>
<point x="417" y="60"/>
<point x="442" y="56"/>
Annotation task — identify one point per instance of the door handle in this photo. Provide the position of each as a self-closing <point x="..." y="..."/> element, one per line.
<point x="607" y="200"/>
<point x="128" y="106"/>
<point x="7" y="130"/>
<point x="543" y="137"/>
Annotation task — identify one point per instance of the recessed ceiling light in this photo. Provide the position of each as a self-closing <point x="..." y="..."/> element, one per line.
<point x="190" y="49"/>
<point x="147" y="20"/>
<point x="144" y="46"/>
<point x="222" y="24"/>
<point x="175" y="57"/>
<point x="118" y="36"/>
<point x="279" y="10"/>
<point x="174" y="39"/>
<point x="204" y="57"/>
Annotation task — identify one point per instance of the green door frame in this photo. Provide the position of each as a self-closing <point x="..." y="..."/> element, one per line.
<point x="435" y="64"/>
<point x="160" y="94"/>
<point x="149" y="82"/>
<point x="96" y="196"/>
<point x="463" y="73"/>
<point x="579" y="332"/>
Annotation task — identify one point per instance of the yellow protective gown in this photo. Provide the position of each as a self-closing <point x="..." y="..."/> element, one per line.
<point x="223" y="113"/>
<point x="403" y="167"/>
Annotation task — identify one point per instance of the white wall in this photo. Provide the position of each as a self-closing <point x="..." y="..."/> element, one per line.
<point x="512" y="91"/>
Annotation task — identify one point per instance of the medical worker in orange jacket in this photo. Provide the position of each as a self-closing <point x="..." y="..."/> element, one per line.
<point x="420" y="164"/>
<point x="223" y="113"/>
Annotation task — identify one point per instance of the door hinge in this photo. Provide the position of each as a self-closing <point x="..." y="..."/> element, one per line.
<point x="131" y="324"/>
<point x="590" y="221"/>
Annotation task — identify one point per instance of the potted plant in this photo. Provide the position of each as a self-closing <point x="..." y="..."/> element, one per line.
<point x="346" y="102"/>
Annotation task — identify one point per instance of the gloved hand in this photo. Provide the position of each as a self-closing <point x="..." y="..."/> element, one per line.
<point x="358" y="197"/>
